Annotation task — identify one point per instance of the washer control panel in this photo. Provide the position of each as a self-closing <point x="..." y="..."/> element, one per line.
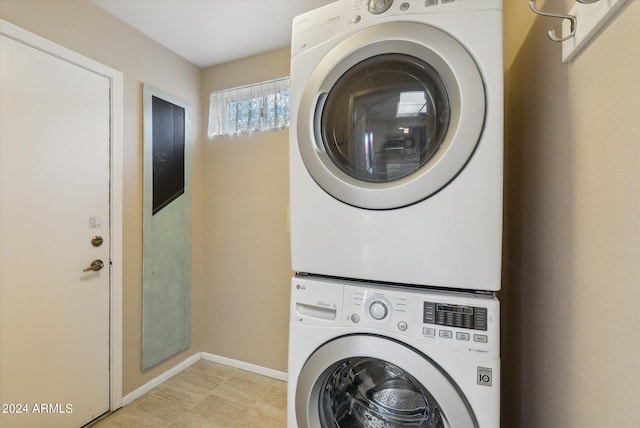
<point x="460" y="321"/>
<point x="463" y="321"/>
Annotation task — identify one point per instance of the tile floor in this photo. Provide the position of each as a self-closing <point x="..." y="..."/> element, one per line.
<point x="207" y="394"/>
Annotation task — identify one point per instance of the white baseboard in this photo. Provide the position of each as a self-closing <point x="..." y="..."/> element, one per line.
<point x="159" y="379"/>
<point x="265" y="371"/>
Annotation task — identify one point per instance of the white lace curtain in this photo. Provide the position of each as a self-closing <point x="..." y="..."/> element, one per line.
<point x="260" y="107"/>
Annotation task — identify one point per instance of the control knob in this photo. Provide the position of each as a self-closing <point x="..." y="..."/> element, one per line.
<point x="379" y="6"/>
<point x="378" y="310"/>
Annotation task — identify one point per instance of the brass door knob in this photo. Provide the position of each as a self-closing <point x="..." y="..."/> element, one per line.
<point x="95" y="266"/>
<point x="96" y="241"/>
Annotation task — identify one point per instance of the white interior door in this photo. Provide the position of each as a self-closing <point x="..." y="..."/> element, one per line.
<point x="54" y="198"/>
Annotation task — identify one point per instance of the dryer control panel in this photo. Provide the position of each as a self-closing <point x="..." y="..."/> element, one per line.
<point x="357" y="12"/>
<point x="336" y="19"/>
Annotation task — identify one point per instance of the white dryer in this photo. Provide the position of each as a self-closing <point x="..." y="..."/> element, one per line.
<point x="368" y="356"/>
<point x="396" y="142"/>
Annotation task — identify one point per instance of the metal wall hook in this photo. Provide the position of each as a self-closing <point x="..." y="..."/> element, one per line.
<point x="552" y="33"/>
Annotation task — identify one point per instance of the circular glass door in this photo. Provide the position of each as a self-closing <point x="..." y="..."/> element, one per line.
<point x="367" y="381"/>
<point x="390" y="115"/>
<point x="367" y="392"/>
<point x="385" y="118"/>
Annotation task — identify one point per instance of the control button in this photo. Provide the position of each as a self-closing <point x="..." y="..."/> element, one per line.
<point x="356" y="19"/>
<point x="355" y="318"/>
<point x="481" y="338"/>
<point x="404" y="6"/>
<point x="449" y="318"/>
<point x="481" y="319"/>
<point x="468" y="321"/>
<point x="447" y="334"/>
<point x="379" y="6"/>
<point x="378" y="310"/>
<point x="428" y="331"/>
<point x="428" y="3"/>
<point x="462" y="336"/>
<point x="429" y="313"/>
<point x="447" y="1"/>
<point x="402" y="326"/>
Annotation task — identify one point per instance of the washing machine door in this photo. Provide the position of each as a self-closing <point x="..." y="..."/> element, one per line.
<point x="391" y="115"/>
<point x="366" y="381"/>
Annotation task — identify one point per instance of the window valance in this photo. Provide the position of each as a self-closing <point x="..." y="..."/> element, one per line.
<point x="260" y="107"/>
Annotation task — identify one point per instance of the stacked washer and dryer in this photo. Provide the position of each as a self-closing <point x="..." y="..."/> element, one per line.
<point x="396" y="148"/>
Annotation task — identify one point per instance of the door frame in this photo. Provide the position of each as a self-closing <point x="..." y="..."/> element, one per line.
<point x="115" y="187"/>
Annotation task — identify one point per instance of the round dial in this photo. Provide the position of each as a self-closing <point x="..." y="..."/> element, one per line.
<point x="379" y="6"/>
<point x="378" y="310"/>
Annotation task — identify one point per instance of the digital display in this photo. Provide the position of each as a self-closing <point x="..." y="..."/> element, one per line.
<point x="449" y="315"/>
<point x="456" y="309"/>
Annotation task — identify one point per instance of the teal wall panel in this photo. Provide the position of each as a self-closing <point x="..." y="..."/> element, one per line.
<point x="166" y="288"/>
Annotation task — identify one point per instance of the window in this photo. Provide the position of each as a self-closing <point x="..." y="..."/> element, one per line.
<point x="260" y="107"/>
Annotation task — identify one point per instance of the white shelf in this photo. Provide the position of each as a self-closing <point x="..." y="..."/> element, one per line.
<point x="592" y="19"/>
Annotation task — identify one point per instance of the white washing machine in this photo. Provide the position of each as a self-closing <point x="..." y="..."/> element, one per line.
<point x="396" y="142"/>
<point x="368" y="356"/>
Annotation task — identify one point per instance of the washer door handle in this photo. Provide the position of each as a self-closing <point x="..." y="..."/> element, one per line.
<point x="317" y="131"/>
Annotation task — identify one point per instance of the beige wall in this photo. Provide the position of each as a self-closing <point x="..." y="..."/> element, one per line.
<point x="247" y="275"/>
<point x="572" y="226"/>
<point x="85" y="28"/>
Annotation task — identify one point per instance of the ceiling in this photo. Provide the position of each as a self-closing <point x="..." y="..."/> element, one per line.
<point x="210" y="32"/>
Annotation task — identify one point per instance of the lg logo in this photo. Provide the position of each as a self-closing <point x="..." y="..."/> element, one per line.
<point x="300" y="287"/>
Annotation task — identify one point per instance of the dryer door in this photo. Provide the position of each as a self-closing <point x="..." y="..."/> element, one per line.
<point x="363" y="381"/>
<point x="391" y="115"/>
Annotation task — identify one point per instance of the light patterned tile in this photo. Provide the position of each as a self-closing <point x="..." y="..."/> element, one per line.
<point x="129" y="417"/>
<point x="156" y="409"/>
<point x="276" y="395"/>
<point x="221" y="410"/>
<point x="192" y="419"/>
<point x="269" y="415"/>
<point x="126" y="421"/>
<point x="253" y="377"/>
<point x="216" y="369"/>
<point x="259" y="421"/>
<point x="207" y="394"/>
<point x="241" y="390"/>
<point x="279" y="385"/>
<point x="200" y="377"/>
<point x="182" y="396"/>
<point x="196" y="382"/>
